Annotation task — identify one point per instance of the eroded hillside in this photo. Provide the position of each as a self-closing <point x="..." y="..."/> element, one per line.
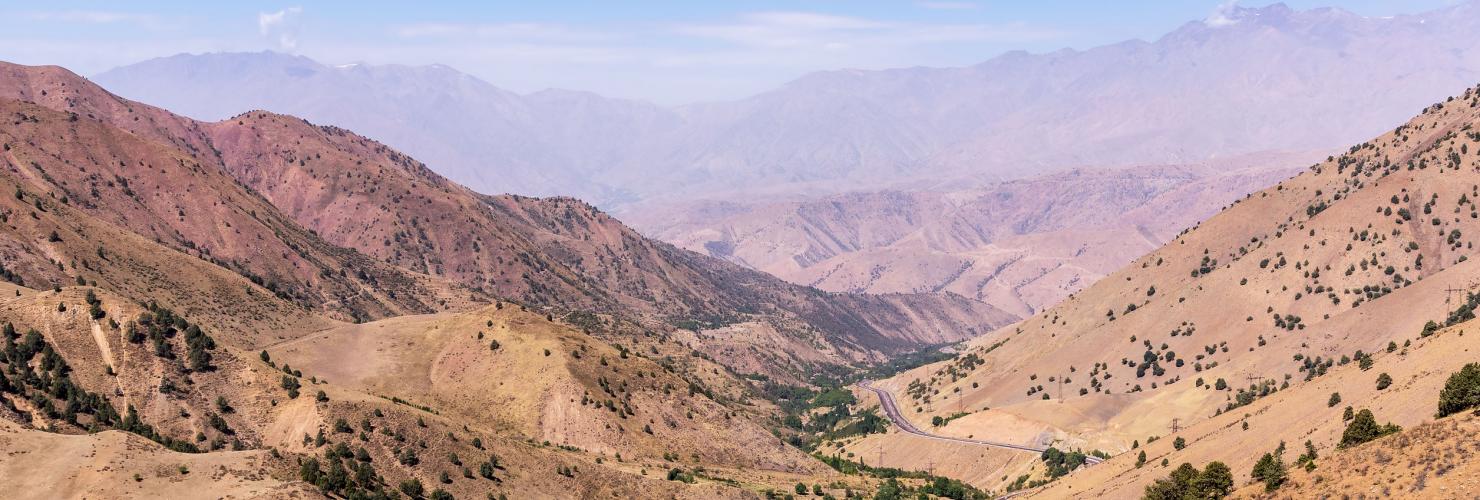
<point x="1019" y="245"/>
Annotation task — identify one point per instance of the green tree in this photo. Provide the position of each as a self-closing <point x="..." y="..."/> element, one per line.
<point x="1271" y="470"/>
<point x="1335" y="400"/>
<point x="890" y="490"/>
<point x="1383" y="381"/>
<point x="1186" y="482"/>
<point x="1215" y="481"/>
<point x="1175" y="486"/>
<point x="309" y="472"/>
<point x="1364" y="428"/>
<point x="1308" y="459"/>
<point x="1461" y="392"/>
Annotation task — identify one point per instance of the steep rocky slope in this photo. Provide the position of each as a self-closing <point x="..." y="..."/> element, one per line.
<point x="162" y="180"/>
<point x="352" y="192"/>
<point x="1273" y="294"/>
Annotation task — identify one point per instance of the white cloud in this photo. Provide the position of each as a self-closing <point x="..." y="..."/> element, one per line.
<point x="503" y="31"/>
<point x="947" y="5"/>
<point x="800" y="30"/>
<point x="99" y="17"/>
<point x="1222" y="14"/>
<point x="283" y="24"/>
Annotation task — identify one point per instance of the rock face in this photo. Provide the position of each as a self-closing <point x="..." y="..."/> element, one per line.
<point x="1019" y="245"/>
<point x="1251" y="82"/>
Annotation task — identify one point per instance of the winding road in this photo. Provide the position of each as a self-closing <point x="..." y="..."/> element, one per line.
<point x="886" y="400"/>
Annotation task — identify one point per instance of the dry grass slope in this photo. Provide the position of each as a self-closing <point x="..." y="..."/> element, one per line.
<point x="1274" y="294"/>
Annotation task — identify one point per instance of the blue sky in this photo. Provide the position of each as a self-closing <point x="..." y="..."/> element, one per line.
<point x="671" y="52"/>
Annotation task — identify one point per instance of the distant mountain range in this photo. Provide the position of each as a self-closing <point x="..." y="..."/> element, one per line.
<point x="1248" y="84"/>
<point x="1020" y="245"/>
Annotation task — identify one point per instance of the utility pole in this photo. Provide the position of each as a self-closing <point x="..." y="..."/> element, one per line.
<point x="1448" y="293"/>
<point x="1176" y="425"/>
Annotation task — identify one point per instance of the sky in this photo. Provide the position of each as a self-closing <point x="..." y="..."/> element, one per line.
<point x="669" y="52"/>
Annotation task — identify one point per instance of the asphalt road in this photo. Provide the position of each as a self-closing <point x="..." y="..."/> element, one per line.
<point x="886" y="400"/>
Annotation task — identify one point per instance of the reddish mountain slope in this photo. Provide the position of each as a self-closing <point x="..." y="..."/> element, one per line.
<point x="359" y="194"/>
<point x="189" y="203"/>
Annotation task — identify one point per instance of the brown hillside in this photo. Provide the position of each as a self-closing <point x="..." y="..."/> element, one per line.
<point x="112" y="464"/>
<point x="544" y="382"/>
<point x="1302" y="413"/>
<point x="238" y="402"/>
<point x="1270" y="294"/>
<point x="1432" y="460"/>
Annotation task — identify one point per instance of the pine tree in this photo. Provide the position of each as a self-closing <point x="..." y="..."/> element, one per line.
<point x="1364" y="428"/>
<point x="1461" y="392"/>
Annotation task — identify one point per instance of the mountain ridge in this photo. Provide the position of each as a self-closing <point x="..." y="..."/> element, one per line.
<point x="1009" y="116"/>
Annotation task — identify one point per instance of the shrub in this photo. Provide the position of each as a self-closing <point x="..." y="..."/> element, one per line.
<point x="412" y="488"/>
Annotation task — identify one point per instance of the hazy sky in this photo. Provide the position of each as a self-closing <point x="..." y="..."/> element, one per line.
<point x="671" y="52"/>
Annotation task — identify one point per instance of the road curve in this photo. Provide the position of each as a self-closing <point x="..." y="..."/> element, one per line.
<point x="886" y="400"/>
